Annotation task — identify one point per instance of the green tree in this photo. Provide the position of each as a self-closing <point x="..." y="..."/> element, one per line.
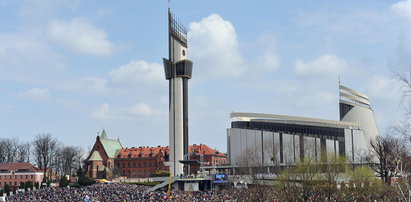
<point x="363" y="184"/>
<point x="7" y="189"/>
<point x="333" y="167"/>
<point x="63" y="181"/>
<point x="83" y="179"/>
<point x="299" y="182"/>
<point x="28" y="185"/>
<point x="22" y="185"/>
<point x="287" y="185"/>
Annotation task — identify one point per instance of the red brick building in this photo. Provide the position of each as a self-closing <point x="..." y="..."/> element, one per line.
<point x="100" y="162"/>
<point x="14" y="173"/>
<point x="142" y="161"/>
<point x="210" y="157"/>
<point x="108" y="159"/>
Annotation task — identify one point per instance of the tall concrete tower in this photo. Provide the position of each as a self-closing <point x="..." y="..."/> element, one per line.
<point x="177" y="70"/>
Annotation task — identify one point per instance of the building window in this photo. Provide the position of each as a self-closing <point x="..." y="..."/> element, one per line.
<point x="118" y="165"/>
<point x="134" y="164"/>
<point x="128" y="164"/>
<point x="27" y="176"/>
<point x="31" y="176"/>
<point x="139" y="165"/>
<point x="15" y="183"/>
<point x="124" y="173"/>
<point x="149" y="164"/>
<point x="10" y="176"/>
<point x="145" y="164"/>
<point x="124" y="165"/>
<point x="128" y="173"/>
<point x="15" y="177"/>
<point x="21" y="176"/>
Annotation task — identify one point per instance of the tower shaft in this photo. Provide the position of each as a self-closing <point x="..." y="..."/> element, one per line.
<point x="177" y="70"/>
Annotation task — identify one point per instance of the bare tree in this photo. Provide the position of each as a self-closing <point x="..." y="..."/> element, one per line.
<point x="2" y="151"/>
<point x="390" y="152"/>
<point x="11" y="146"/>
<point x="382" y="149"/>
<point x="405" y="79"/>
<point x="12" y="150"/>
<point x="45" y="147"/>
<point x="23" y="152"/>
<point x="71" y="159"/>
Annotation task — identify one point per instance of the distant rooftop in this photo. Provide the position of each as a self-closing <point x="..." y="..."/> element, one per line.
<point x="18" y="167"/>
<point x="145" y="152"/>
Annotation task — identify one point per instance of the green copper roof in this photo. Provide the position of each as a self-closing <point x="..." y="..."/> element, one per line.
<point x="111" y="146"/>
<point x="103" y="135"/>
<point x="95" y="156"/>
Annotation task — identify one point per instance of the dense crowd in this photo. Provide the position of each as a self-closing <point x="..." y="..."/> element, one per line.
<point x="128" y="192"/>
<point x="96" y="192"/>
<point x="120" y="192"/>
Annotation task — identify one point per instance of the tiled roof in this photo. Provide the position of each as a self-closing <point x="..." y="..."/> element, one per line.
<point x="204" y="149"/>
<point x="141" y="152"/>
<point x="144" y="152"/>
<point x="18" y="167"/>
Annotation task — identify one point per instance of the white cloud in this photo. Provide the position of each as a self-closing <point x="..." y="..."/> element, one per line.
<point x="323" y="65"/>
<point x="215" y="48"/>
<point x="80" y="36"/>
<point x="140" y="109"/>
<point x="107" y="112"/>
<point x="24" y="58"/>
<point x="87" y="85"/>
<point x="137" y="72"/>
<point x="102" y="112"/>
<point x="403" y="8"/>
<point x="383" y="87"/>
<point x="36" y="94"/>
<point x="269" y="61"/>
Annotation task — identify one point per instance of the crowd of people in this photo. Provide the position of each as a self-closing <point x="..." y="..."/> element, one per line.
<point x="119" y="192"/>
<point x="129" y="192"/>
<point x="96" y="192"/>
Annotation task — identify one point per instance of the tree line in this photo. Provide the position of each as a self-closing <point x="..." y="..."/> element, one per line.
<point x="45" y="152"/>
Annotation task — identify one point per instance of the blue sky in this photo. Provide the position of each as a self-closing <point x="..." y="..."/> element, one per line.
<point x="74" y="67"/>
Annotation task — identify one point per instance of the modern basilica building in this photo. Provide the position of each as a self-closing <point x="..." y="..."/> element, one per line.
<point x="273" y="140"/>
